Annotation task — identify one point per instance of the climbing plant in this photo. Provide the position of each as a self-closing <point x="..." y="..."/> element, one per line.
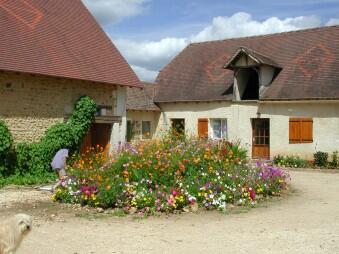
<point x="36" y="157"/>
<point x="6" y="142"/>
<point x="5" y="138"/>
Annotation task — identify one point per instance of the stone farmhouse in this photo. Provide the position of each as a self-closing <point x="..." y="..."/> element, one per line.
<point x="276" y="94"/>
<point x="52" y="53"/>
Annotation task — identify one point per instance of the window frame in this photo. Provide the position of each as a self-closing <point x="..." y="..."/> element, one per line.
<point x="183" y="121"/>
<point x="223" y="128"/>
<point x="143" y="136"/>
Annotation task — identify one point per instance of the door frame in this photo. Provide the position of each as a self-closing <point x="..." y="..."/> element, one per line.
<point x="267" y="121"/>
<point x="92" y="134"/>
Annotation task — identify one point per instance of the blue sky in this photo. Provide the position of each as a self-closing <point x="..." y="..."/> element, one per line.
<point x="149" y="33"/>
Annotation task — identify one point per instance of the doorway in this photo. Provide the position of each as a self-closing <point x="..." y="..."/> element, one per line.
<point x="98" y="134"/>
<point x="261" y="138"/>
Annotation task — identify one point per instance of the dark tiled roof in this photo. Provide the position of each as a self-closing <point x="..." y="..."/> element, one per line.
<point x="142" y="99"/>
<point x="59" y="38"/>
<point x="309" y="60"/>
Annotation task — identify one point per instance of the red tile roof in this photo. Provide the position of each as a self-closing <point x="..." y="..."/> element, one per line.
<point x="142" y="99"/>
<point x="59" y="38"/>
<point x="309" y="60"/>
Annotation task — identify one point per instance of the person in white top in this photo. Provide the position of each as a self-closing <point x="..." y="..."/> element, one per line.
<point x="59" y="165"/>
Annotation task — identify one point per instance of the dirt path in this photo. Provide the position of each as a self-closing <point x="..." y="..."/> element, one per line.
<point x="305" y="222"/>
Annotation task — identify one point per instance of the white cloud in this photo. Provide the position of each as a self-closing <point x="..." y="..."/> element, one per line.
<point x="145" y="74"/>
<point x="151" y="54"/>
<point x="107" y="11"/>
<point x="242" y="24"/>
<point x="332" y="22"/>
<point x="148" y="57"/>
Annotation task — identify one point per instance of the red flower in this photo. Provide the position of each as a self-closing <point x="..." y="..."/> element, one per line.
<point x="252" y="193"/>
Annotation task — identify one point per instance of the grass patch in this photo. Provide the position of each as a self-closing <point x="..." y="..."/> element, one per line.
<point x="27" y="179"/>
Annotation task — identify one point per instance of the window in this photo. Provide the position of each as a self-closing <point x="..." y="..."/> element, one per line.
<point x="300" y="130"/>
<point x="219" y="128"/>
<point x="146" y="129"/>
<point x="178" y="125"/>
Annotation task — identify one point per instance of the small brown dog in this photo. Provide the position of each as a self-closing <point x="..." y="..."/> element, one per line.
<point x="12" y="231"/>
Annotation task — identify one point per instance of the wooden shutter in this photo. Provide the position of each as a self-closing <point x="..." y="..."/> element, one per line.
<point x="301" y="130"/>
<point x="306" y="129"/>
<point x="203" y="128"/>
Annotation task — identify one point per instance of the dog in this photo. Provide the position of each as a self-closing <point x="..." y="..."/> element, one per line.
<point x="12" y="231"/>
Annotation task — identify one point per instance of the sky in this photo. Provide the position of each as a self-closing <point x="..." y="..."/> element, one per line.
<point x="150" y="33"/>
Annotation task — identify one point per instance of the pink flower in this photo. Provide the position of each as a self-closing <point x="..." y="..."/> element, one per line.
<point x="174" y="193"/>
<point x="171" y="200"/>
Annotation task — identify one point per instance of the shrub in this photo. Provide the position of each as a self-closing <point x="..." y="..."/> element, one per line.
<point x="6" y="154"/>
<point x="335" y="161"/>
<point x="5" y="138"/>
<point x="321" y="159"/>
<point x="170" y="174"/>
<point x="35" y="158"/>
<point x="291" y="161"/>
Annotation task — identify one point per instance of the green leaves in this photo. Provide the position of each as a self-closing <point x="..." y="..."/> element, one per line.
<point x="35" y="158"/>
<point x="5" y="138"/>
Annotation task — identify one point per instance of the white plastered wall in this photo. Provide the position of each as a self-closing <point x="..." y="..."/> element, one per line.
<point x="325" y="122"/>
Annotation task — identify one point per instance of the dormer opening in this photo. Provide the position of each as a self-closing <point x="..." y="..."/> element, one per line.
<point x="247" y="84"/>
<point x="253" y="72"/>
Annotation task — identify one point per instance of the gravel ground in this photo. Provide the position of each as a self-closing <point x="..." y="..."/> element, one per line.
<point x="305" y="221"/>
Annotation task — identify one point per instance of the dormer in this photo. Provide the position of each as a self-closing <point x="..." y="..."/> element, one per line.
<point x="253" y="72"/>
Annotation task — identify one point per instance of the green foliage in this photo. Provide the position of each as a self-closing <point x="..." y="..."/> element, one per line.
<point x="35" y="158"/>
<point x="6" y="153"/>
<point x="321" y="159"/>
<point x="5" y="138"/>
<point x="335" y="161"/>
<point x="27" y="179"/>
<point x="292" y="161"/>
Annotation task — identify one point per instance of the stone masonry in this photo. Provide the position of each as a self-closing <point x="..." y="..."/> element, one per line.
<point x="30" y="104"/>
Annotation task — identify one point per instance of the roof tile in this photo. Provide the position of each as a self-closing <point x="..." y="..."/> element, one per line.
<point x="59" y="38"/>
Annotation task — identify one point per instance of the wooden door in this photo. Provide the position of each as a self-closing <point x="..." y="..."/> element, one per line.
<point x="261" y="138"/>
<point x="98" y="134"/>
<point x="203" y="128"/>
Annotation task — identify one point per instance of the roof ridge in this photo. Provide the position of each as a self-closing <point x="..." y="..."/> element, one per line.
<point x="265" y="35"/>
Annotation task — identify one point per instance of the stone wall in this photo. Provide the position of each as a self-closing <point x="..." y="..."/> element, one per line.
<point x="30" y="104"/>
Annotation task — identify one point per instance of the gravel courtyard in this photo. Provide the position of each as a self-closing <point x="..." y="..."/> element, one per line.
<point x="305" y="221"/>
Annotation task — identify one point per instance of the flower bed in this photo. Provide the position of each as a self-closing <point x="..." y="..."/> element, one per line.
<point x="173" y="173"/>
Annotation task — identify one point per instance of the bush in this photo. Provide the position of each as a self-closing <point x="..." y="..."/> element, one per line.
<point x="292" y="161"/>
<point x="5" y="138"/>
<point x="6" y="154"/>
<point x="335" y="161"/>
<point x="321" y="159"/>
<point x="35" y="158"/>
<point x="170" y="174"/>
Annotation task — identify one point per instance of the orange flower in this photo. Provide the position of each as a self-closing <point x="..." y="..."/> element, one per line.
<point x="181" y="166"/>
